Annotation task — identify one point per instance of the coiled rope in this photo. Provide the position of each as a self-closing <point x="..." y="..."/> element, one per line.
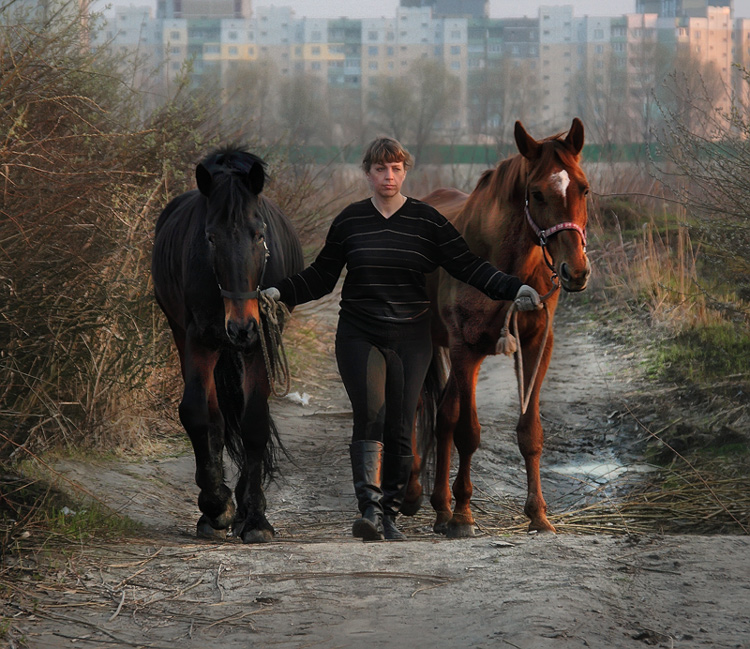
<point x="274" y="315"/>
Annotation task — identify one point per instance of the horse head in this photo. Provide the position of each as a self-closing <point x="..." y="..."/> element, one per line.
<point x="555" y="202"/>
<point x="231" y="182"/>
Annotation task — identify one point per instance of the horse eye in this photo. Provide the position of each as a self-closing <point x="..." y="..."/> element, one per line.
<point x="210" y="238"/>
<point x="538" y="196"/>
<point x="259" y="238"/>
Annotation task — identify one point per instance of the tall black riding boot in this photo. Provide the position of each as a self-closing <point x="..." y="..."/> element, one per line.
<point x="367" y="461"/>
<point x="396" y="473"/>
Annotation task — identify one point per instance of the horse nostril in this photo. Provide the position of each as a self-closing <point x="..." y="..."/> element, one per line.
<point x="564" y="273"/>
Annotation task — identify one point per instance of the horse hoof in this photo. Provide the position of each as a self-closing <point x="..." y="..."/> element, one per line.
<point x="441" y="522"/>
<point x="205" y="530"/>
<point x="257" y="536"/>
<point x="542" y="528"/>
<point x="411" y="508"/>
<point x="459" y="531"/>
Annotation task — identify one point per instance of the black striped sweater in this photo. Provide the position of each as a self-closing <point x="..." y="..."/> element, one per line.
<point x="386" y="262"/>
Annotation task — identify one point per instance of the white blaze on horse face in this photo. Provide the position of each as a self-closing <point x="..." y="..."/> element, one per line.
<point x="560" y="182"/>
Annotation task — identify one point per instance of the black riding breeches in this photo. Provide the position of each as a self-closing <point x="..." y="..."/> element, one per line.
<point x="383" y="375"/>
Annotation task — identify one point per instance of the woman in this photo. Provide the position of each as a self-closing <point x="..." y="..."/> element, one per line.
<point x="388" y="244"/>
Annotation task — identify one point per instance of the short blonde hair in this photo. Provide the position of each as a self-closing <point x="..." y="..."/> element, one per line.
<point x="385" y="149"/>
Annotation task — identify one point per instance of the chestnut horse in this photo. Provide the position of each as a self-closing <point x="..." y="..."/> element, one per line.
<point x="215" y="247"/>
<point x="527" y="217"/>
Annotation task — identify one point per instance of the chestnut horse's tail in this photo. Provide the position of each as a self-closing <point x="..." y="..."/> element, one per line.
<point x="432" y="392"/>
<point x="228" y="378"/>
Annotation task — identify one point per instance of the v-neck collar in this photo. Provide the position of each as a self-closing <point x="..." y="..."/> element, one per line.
<point x="386" y="218"/>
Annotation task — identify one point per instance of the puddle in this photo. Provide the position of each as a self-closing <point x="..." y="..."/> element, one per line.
<point x="599" y="472"/>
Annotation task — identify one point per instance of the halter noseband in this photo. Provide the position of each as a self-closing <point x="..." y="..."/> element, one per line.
<point x="544" y="235"/>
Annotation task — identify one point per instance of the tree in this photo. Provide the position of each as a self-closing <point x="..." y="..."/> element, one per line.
<point x="391" y="106"/>
<point x="248" y="97"/>
<point x="301" y="110"/>
<point x="412" y="108"/>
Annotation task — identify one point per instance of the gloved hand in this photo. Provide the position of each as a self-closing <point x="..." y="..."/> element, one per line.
<point x="271" y="292"/>
<point x="527" y="299"/>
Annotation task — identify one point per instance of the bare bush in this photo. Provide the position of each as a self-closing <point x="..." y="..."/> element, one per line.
<point x="704" y="156"/>
<point x="82" y="177"/>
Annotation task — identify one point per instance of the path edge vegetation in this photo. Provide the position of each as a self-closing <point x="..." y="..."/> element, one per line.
<point x="85" y="362"/>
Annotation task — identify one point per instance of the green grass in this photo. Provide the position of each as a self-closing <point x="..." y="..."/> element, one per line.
<point x="705" y="353"/>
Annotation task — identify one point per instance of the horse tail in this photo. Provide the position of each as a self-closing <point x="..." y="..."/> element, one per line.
<point x="228" y="379"/>
<point x="432" y="391"/>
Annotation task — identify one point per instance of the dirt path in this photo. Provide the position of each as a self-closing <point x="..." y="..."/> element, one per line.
<point x="317" y="587"/>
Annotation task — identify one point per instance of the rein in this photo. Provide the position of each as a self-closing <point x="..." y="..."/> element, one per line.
<point x="509" y="343"/>
<point x="277" y="366"/>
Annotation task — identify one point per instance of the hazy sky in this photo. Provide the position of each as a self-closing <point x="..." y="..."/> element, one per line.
<point x="498" y="8"/>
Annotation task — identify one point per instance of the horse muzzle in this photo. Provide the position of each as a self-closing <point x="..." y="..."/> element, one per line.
<point x="573" y="279"/>
<point x="241" y="322"/>
<point x="242" y="337"/>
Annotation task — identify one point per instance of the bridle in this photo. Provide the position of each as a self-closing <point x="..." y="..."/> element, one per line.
<point x="248" y="295"/>
<point x="544" y="235"/>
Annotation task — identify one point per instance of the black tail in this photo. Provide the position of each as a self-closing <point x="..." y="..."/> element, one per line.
<point x="432" y="392"/>
<point x="228" y="378"/>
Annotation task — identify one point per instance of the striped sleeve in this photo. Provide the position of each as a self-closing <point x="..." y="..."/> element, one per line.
<point x="464" y="265"/>
<point x="320" y="277"/>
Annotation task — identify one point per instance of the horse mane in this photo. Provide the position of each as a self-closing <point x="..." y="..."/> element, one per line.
<point x="508" y="180"/>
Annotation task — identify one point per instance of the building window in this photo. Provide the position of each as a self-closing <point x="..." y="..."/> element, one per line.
<point x="233" y="51"/>
<point x="455" y="50"/>
<point x="175" y="36"/>
<point x="372" y="50"/>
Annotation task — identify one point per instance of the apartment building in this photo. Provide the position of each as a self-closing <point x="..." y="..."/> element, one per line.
<point x="542" y="70"/>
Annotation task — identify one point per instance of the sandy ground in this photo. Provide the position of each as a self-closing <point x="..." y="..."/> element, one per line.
<point x="315" y="586"/>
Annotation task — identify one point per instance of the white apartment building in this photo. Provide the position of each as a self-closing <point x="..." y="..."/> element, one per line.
<point x="588" y="66"/>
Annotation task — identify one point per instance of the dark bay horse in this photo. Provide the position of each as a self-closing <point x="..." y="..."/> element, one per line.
<point x="215" y="247"/>
<point x="527" y="217"/>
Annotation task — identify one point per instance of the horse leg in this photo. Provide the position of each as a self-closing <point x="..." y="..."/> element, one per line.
<point x="413" y="498"/>
<point x="466" y="437"/>
<point x="251" y="524"/>
<point x="445" y="423"/>
<point x="204" y="424"/>
<point x="531" y="436"/>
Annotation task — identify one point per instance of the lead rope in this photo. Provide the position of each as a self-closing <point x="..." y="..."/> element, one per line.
<point x="510" y="344"/>
<point x="277" y="367"/>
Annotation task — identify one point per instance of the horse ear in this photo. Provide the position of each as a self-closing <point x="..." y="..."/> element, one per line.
<point x="257" y="178"/>
<point x="203" y="178"/>
<point x="527" y="145"/>
<point x="575" y="136"/>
